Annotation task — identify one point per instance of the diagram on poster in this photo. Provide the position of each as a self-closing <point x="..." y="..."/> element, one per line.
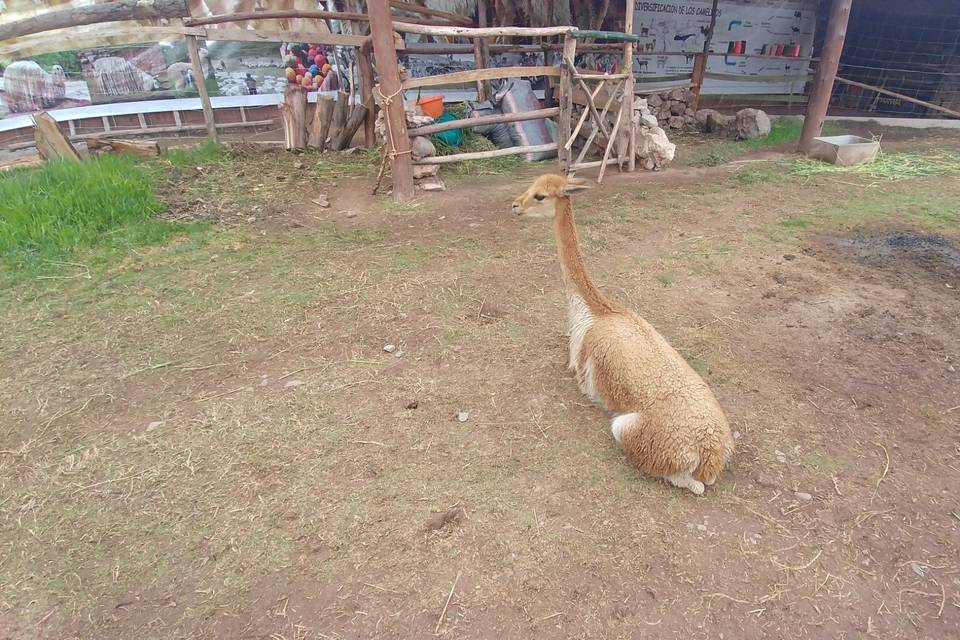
<point x="777" y="35"/>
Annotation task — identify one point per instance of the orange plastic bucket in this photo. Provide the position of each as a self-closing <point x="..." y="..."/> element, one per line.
<point x="432" y="106"/>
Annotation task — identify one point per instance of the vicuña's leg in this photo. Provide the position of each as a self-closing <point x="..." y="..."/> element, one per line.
<point x="685" y="480"/>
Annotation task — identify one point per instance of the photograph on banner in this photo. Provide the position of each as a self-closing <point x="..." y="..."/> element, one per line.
<point x="44" y="81"/>
<point x="761" y="39"/>
<point x="143" y="72"/>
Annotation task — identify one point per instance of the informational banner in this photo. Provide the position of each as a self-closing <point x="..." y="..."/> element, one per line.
<point x="775" y="35"/>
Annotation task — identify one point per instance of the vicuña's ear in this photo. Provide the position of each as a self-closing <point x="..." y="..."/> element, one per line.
<point x="575" y="185"/>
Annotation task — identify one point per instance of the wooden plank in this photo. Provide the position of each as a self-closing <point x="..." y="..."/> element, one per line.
<point x="590" y="105"/>
<point x="116" y="32"/>
<point x="250" y="35"/>
<point x="583" y="118"/>
<point x="293" y="114"/>
<point x="143" y="148"/>
<point x="105" y="121"/>
<point x="391" y="92"/>
<point x="611" y="36"/>
<point x="761" y="79"/>
<point x="610" y="143"/>
<point x="282" y="14"/>
<point x="436" y="13"/>
<point x="200" y="80"/>
<point x="51" y="143"/>
<point x="345" y="137"/>
<point x="595" y="130"/>
<point x="142" y="120"/>
<point x="94" y="14"/>
<point x="341" y="109"/>
<point x="479" y="155"/>
<point x="592" y="164"/>
<point x="922" y="103"/>
<point x="489" y="32"/>
<point x="466" y="123"/>
<point x="565" y="121"/>
<point x="465" y="77"/>
<point x="320" y="125"/>
<point x="365" y="63"/>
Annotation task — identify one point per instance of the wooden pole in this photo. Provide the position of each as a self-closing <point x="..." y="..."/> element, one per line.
<point x="293" y="113"/>
<point x="320" y="125"/>
<point x="700" y="65"/>
<point x="627" y="108"/>
<point x="826" y="73"/>
<point x="484" y="52"/>
<point x="282" y="14"/>
<point x="93" y="14"/>
<point x="565" y="120"/>
<point x="201" y="81"/>
<point x="467" y="123"/>
<point x="391" y="91"/>
<point x="365" y="60"/>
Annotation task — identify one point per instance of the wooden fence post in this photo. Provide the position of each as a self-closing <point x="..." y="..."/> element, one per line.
<point x="628" y="96"/>
<point x="565" y="119"/>
<point x="391" y="91"/>
<point x="826" y="73"/>
<point x="200" y="80"/>
<point x="700" y="64"/>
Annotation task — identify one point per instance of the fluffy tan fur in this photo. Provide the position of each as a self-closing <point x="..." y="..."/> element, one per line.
<point x="666" y="418"/>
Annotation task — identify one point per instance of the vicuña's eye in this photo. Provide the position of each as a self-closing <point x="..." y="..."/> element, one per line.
<point x="539" y="197"/>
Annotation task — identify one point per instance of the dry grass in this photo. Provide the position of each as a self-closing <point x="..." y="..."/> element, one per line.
<point x="208" y="439"/>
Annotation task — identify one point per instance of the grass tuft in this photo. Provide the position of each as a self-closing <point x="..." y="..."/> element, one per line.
<point x="472" y="142"/>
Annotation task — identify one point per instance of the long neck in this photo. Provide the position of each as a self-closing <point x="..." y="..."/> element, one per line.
<point x="575" y="276"/>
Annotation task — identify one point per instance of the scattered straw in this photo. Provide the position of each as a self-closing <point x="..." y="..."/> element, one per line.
<point x="887" y="166"/>
<point x="886" y="468"/>
<point x="446" y="604"/>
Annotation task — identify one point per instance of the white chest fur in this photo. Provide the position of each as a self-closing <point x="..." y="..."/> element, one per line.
<point x="579" y="320"/>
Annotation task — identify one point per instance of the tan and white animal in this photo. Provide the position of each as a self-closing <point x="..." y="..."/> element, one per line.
<point x="665" y="417"/>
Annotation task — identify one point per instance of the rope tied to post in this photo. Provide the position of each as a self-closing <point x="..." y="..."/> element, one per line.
<point x="387" y="101"/>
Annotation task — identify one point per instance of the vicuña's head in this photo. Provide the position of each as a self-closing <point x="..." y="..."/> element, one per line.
<point x="540" y="200"/>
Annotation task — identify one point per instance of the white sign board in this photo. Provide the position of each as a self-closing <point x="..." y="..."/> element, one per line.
<point x="778" y="32"/>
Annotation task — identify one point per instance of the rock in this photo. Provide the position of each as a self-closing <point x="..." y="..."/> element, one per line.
<point x="389" y="348"/>
<point x="736" y="435"/>
<point x="688" y="121"/>
<point x="689" y="112"/>
<point x="322" y="201"/>
<point x="649" y="121"/>
<point x="805" y="497"/>
<point x="675" y="122"/>
<point x="701" y="527"/>
<point x="676" y="94"/>
<point x="293" y="383"/>
<point x="422" y="148"/>
<point x="153" y="425"/>
<point x="640" y="104"/>
<point x="677" y="108"/>
<point x="654" y="101"/>
<point x="425" y="171"/>
<point x="413" y="405"/>
<point x="463" y="416"/>
<point x="752" y="123"/>
<point x="654" y="148"/>
<point x="432" y="184"/>
<point x="718" y="123"/>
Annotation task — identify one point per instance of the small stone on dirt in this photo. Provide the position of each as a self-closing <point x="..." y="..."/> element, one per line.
<point x="351" y="214"/>
<point x="298" y="164"/>
<point x="918" y="569"/>
<point x="804" y="496"/>
<point x="413" y="405"/>
<point x="153" y="425"/>
<point x="463" y="416"/>
<point x="736" y="435"/>
<point x="389" y="348"/>
<point x="293" y="383"/>
<point x="322" y="201"/>
<point x="789" y="256"/>
<point x="701" y="527"/>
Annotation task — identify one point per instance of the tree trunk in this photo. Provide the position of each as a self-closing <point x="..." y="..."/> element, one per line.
<point x="293" y="112"/>
<point x="95" y="13"/>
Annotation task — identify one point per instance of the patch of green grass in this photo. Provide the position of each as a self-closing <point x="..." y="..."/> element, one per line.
<point x="360" y="236"/>
<point x="754" y="176"/>
<point x="715" y="153"/>
<point x="47" y="214"/>
<point x="886" y="166"/>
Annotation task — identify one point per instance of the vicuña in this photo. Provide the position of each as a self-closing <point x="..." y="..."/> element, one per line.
<point x="665" y="417"/>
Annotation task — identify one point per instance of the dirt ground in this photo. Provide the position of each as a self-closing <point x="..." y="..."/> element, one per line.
<point x="209" y="440"/>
